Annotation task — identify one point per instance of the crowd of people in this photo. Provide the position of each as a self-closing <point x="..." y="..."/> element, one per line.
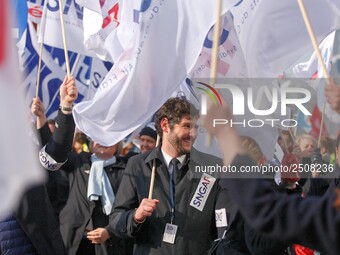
<point x="97" y="202"/>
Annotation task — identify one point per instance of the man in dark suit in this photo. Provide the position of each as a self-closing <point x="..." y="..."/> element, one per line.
<point x="181" y="217"/>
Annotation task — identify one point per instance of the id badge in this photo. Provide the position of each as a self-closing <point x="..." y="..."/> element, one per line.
<point x="170" y="233"/>
<point x="221" y="218"/>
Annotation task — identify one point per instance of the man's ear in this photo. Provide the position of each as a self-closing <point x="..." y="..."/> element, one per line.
<point x="165" y="125"/>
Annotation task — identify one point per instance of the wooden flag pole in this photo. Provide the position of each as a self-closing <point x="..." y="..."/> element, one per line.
<point x="39" y="69"/>
<point x="67" y="62"/>
<point x="284" y="141"/>
<point x="291" y="135"/>
<point x="153" y="173"/>
<point x="216" y="43"/>
<point x="214" y="56"/>
<point x="313" y="38"/>
<point x="318" y="54"/>
<point x="75" y="64"/>
<point x="43" y="19"/>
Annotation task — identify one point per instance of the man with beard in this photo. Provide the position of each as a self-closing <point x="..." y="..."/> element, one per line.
<point x="180" y="219"/>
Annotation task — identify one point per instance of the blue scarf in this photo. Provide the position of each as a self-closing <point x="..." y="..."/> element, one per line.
<point x="99" y="184"/>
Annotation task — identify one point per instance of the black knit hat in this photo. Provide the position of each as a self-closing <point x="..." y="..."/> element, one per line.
<point x="149" y="130"/>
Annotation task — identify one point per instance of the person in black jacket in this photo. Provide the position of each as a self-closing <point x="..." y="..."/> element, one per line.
<point x="57" y="185"/>
<point x="86" y="209"/>
<point x="81" y="213"/>
<point x="240" y="237"/>
<point x="312" y="221"/>
<point x="183" y="204"/>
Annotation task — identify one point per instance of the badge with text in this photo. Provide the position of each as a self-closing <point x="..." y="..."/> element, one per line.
<point x="221" y="218"/>
<point x="48" y="162"/>
<point x="202" y="192"/>
<point x="170" y="233"/>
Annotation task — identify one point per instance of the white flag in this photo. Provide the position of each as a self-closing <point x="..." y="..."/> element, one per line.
<point x="19" y="159"/>
<point x="230" y="61"/>
<point x="73" y="23"/>
<point x="312" y="68"/>
<point x="101" y="18"/>
<point x="273" y="34"/>
<point x="161" y="42"/>
<point x="231" y="64"/>
<point x="35" y="10"/>
<point x="52" y="73"/>
<point x="99" y="70"/>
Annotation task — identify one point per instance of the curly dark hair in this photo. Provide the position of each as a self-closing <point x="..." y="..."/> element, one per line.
<point x="174" y="109"/>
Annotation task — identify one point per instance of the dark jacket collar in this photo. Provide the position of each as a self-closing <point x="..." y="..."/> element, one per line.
<point x="158" y="155"/>
<point x="119" y="164"/>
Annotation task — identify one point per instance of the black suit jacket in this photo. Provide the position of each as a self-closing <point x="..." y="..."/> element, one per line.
<point x="196" y="229"/>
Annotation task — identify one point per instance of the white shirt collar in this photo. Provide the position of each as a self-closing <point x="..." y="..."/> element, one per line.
<point x="168" y="158"/>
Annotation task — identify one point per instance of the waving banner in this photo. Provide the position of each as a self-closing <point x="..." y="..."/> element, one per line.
<point x="157" y="56"/>
<point x="273" y="34"/>
<point x="52" y="73"/>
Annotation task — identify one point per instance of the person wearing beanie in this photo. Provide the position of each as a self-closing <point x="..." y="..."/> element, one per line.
<point x="148" y="137"/>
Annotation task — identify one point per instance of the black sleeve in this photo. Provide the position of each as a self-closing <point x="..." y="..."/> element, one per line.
<point x="259" y="243"/>
<point x="61" y="142"/>
<point x="318" y="187"/>
<point x="121" y="220"/>
<point x="55" y="153"/>
<point x="44" y="134"/>
<point x="309" y="221"/>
